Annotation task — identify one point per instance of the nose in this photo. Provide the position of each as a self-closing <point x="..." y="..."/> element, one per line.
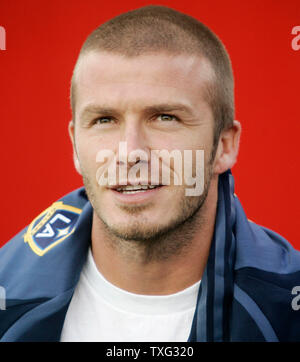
<point x="133" y="136"/>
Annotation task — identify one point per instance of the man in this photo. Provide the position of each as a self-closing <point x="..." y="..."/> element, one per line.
<point x="136" y="260"/>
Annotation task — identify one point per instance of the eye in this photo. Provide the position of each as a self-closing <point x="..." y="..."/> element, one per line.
<point x="103" y="120"/>
<point x="167" y="117"/>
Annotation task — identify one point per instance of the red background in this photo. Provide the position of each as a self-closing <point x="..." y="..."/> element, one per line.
<point x="43" y="40"/>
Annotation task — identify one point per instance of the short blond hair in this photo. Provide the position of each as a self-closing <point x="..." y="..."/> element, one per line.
<point x="158" y="28"/>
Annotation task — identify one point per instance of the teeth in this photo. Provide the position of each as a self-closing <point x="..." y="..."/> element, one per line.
<point x="135" y="188"/>
<point x="133" y="192"/>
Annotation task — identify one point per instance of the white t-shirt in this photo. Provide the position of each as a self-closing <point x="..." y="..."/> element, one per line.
<point x="101" y="312"/>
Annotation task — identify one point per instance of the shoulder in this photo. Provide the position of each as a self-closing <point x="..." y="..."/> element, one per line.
<point x="46" y="231"/>
<point x="262" y="248"/>
<point x="266" y="273"/>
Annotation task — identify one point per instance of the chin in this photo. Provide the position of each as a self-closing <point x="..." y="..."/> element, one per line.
<point x="138" y="229"/>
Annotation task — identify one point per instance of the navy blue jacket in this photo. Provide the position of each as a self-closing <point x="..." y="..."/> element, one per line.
<point x="246" y="292"/>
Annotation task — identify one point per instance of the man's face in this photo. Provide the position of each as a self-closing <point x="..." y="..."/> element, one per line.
<point x="151" y="102"/>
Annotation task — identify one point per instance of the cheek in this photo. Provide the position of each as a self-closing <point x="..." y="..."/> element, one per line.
<point x="87" y="153"/>
<point x="92" y="141"/>
<point x="199" y="148"/>
<point x="95" y="162"/>
<point x="205" y="143"/>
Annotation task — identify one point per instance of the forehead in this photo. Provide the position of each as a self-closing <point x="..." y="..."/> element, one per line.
<point x="101" y="75"/>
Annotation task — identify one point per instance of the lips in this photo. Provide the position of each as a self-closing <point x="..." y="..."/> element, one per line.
<point x="133" y="189"/>
<point x="134" y="194"/>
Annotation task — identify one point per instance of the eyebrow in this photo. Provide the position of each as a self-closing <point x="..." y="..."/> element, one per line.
<point x="159" y="108"/>
<point x="97" y="109"/>
<point x="169" y="107"/>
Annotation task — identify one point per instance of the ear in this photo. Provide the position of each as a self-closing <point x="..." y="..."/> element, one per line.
<point x="228" y="148"/>
<point x="71" y="129"/>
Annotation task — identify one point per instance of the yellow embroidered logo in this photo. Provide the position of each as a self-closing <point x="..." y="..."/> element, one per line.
<point x="51" y="227"/>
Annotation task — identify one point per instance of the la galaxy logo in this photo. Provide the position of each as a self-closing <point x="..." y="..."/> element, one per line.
<point x="51" y="227"/>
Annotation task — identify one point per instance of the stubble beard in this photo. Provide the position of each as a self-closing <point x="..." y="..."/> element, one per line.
<point x="141" y="242"/>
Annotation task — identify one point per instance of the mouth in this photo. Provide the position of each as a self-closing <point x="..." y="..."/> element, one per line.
<point x="135" y="194"/>
<point x="134" y="189"/>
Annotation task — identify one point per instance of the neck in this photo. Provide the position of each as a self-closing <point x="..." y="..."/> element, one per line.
<point x="129" y="264"/>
